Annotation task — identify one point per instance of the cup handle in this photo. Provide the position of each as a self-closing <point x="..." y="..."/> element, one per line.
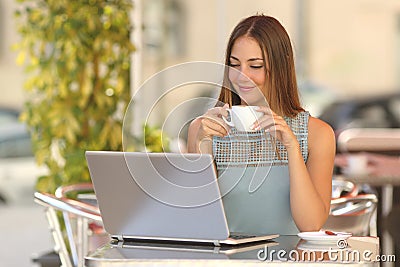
<point x="230" y="123"/>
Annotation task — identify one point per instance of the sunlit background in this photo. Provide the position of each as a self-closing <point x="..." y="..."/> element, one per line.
<point x="344" y="50"/>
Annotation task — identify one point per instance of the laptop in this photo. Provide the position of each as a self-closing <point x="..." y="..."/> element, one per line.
<point x="151" y="250"/>
<point x="162" y="197"/>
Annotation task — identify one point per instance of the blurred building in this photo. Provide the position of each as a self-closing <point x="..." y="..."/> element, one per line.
<point x="344" y="47"/>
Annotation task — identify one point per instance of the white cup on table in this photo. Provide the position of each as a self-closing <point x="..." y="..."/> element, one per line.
<point x="357" y="164"/>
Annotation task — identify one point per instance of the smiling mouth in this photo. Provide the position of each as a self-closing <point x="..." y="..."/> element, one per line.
<point x="246" y="88"/>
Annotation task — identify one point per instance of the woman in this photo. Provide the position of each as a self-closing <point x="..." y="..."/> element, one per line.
<point x="259" y="49"/>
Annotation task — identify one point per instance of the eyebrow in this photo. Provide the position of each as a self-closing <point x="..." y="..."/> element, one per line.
<point x="251" y="59"/>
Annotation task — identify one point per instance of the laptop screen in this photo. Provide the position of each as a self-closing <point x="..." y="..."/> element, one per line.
<point x="163" y="195"/>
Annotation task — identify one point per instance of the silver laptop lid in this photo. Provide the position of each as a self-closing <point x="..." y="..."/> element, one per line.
<point x="162" y="195"/>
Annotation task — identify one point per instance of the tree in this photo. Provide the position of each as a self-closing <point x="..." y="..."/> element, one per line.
<point x="78" y="56"/>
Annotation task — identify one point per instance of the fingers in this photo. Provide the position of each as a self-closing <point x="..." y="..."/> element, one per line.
<point x="212" y="126"/>
<point x="267" y="121"/>
<point x="266" y="110"/>
<point x="276" y="126"/>
<point x="212" y="123"/>
<point x="217" y="111"/>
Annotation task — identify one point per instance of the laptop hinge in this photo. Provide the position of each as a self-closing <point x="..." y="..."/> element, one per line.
<point x="118" y="237"/>
<point x="120" y="244"/>
<point x="216" y="243"/>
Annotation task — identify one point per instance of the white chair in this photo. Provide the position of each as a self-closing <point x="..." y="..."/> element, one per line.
<point x="354" y="214"/>
<point x="82" y="222"/>
<point x="353" y="209"/>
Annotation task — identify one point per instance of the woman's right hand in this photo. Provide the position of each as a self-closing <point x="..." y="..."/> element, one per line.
<point x="212" y="124"/>
<point x="205" y="127"/>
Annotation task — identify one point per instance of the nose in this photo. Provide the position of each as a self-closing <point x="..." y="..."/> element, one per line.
<point x="240" y="75"/>
<point x="244" y="75"/>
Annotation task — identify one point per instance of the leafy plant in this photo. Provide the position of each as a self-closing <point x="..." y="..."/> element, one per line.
<point x="155" y="139"/>
<point x="78" y="56"/>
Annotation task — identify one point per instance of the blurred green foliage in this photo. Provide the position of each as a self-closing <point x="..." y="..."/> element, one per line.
<point x="78" y="56"/>
<point x="155" y="139"/>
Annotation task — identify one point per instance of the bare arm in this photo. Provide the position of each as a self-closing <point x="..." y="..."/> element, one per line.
<point x="311" y="182"/>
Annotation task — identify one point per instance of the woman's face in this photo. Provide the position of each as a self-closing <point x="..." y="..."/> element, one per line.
<point x="248" y="78"/>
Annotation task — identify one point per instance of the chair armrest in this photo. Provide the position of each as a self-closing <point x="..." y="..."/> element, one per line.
<point x="363" y="197"/>
<point x="68" y="205"/>
<point x="62" y="191"/>
<point x="369" y="139"/>
<point x="346" y="206"/>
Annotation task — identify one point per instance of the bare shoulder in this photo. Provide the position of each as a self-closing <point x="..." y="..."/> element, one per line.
<point x="318" y="126"/>
<point x="320" y="131"/>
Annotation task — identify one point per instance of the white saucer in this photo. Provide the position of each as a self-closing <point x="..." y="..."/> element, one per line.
<point x="322" y="237"/>
<point x="312" y="246"/>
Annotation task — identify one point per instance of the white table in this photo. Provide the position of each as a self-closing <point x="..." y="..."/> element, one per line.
<point x="137" y="254"/>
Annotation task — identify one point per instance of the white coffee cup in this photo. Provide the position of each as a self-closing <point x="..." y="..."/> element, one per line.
<point x="243" y="117"/>
<point x="357" y="164"/>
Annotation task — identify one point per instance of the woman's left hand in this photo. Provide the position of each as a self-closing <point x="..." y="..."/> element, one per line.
<point x="276" y="126"/>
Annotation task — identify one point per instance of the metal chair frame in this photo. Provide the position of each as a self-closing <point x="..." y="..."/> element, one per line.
<point x="72" y="254"/>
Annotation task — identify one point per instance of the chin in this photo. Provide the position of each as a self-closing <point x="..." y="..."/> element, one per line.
<point x="254" y="101"/>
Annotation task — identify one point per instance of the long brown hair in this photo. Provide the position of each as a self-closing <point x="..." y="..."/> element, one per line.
<point x="280" y="90"/>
